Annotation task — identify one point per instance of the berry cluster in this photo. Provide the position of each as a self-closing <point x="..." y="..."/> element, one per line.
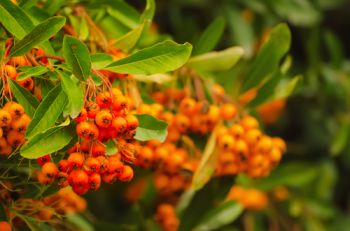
<point x="249" y="198"/>
<point x="166" y="217"/>
<point x="243" y="147"/>
<point x="87" y="165"/>
<point x="49" y="208"/>
<point x="13" y="124"/>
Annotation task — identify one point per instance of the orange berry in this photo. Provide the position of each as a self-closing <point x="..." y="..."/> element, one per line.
<point x="63" y="165"/>
<point x="132" y="122"/>
<point x="249" y="122"/>
<point x="92" y="108"/>
<point x="78" y="178"/>
<point x="44" y="159"/>
<point x="19" y="61"/>
<point x="9" y="71"/>
<point x="127" y="174"/>
<point x="27" y="83"/>
<point x="103" y="119"/>
<point x="241" y="148"/>
<point x="228" y="111"/>
<point x="5" y="148"/>
<point x="103" y="99"/>
<point x="76" y="160"/>
<point x="181" y="122"/>
<point x="20" y="124"/>
<point x="119" y="103"/>
<point x="252" y="136"/>
<point x="119" y="124"/>
<point x="109" y="178"/>
<point x="82" y="116"/>
<point x="187" y="106"/>
<point x="226" y="142"/>
<point x="5" y="118"/>
<point x="93" y="164"/>
<point x="95" y="181"/>
<point x="50" y="170"/>
<point x="236" y="130"/>
<point x="279" y="143"/>
<point x="15" y="138"/>
<point x="15" y="109"/>
<point x="98" y="149"/>
<point x="265" y="144"/>
<point x="5" y="226"/>
<point x="43" y="179"/>
<point x="115" y="165"/>
<point x="87" y="130"/>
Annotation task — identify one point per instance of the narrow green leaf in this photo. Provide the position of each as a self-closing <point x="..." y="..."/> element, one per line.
<point x="100" y="60"/>
<point x="39" y="34"/>
<point x="286" y="88"/>
<point x="150" y="128"/>
<point x="48" y="141"/>
<point x="217" y="60"/>
<point x="24" y="97"/>
<point x="129" y="40"/>
<point x="14" y="19"/>
<point x="155" y="78"/>
<point x="340" y="139"/>
<point x="48" y="111"/>
<point x="269" y="57"/>
<point x="29" y="71"/>
<point x="162" y="57"/>
<point x="206" y="165"/>
<point x="122" y="16"/>
<point x="79" y="222"/>
<point x="210" y="37"/>
<point x="77" y="56"/>
<point x="71" y="86"/>
<point x="222" y="215"/>
<point x="149" y="11"/>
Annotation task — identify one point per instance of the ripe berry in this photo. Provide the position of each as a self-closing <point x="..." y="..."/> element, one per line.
<point x="95" y="181"/>
<point x="93" y="164"/>
<point x="44" y="159"/>
<point x="92" y="108"/>
<point x="5" y="118"/>
<point x="98" y="149"/>
<point x="103" y="99"/>
<point x="15" y="109"/>
<point x="15" y="138"/>
<point x="82" y="116"/>
<point x="5" y="226"/>
<point x="127" y="174"/>
<point x="78" y="178"/>
<point x="226" y="142"/>
<point x="103" y="119"/>
<point x="43" y="179"/>
<point x="76" y="160"/>
<point x="50" y="170"/>
<point x="63" y="165"/>
<point x="119" y="124"/>
<point x="228" y="111"/>
<point x="87" y="130"/>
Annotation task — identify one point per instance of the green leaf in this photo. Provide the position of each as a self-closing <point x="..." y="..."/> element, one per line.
<point x="100" y="60"/>
<point x="162" y="57"/>
<point x="111" y="148"/>
<point x="286" y="88"/>
<point x="269" y="56"/>
<point x="49" y="141"/>
<point x="121" y="14"/>
<point x="155" y="78"/>
<point x="129" y="40"/>
<point x="210" y="37"/>
<point x="150" y="128"/>
<point x="217" y="60"/>
<point x="79" y="222"/>
<point x="39" y="34"/>
<point x="24" y="97"/>
<point x="77" y="56"/>
<point x="48" y="111"/>
<point x="71" y="86"/>
<point x="340" y="139"/>
<point x="149" y="11"/>
<point x="295" y="174"/>
<point x="206" y="165"/>
<point x="14" y="19"/>
<point x="28" y="71"/>
<point x="222" y="215"/>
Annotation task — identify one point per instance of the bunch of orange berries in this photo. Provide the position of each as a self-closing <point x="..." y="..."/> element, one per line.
<point x="166" y="217"/>
<point x="105" y="119"/>
<point x="243" y="147"/>
<point x="13" y="125"/>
